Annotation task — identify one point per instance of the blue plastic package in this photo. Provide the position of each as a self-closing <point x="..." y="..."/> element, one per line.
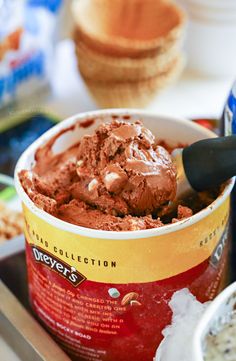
<point x="26" y="46"/>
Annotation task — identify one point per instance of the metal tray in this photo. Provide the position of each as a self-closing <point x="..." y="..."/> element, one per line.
<point x="17" y="326"/>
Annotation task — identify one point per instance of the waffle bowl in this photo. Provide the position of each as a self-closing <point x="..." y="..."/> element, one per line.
<point x="127" y="51"/>
<point x="100" y="67"/>
<point x="133" y="94"/>
<point x="131" y="29"/>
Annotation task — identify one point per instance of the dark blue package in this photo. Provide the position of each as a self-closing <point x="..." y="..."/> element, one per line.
<point x="229" y="115"/>
<point x="17" y="135"/>
<point x="228" y="127"/>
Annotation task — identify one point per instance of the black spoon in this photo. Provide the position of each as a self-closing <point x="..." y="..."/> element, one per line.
<point x="205" y="164"/>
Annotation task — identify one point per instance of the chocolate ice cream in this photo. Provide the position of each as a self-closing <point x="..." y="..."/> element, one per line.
<point x="121" y="172"/>
<point x="115" y="179"/>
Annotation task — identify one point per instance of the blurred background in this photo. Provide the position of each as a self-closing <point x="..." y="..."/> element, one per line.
<point x="62" y="57"/>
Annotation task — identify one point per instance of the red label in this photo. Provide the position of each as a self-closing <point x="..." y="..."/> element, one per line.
<point x="112" y="322"/>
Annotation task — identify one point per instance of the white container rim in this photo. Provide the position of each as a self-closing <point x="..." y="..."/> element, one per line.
<point x="115" y="235"/>
<point x="208" y="315"/>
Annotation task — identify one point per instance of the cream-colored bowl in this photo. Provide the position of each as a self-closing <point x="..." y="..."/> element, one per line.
<point x="217" y="313"/>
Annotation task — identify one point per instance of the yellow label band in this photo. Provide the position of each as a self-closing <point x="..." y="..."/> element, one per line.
<point x="134" y="260"/>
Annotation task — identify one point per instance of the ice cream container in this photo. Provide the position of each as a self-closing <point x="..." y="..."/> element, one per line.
<point x="214" y="317"/>
<point x="104" y="295"/>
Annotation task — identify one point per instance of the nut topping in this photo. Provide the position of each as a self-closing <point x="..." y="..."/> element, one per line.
<point x="131" y="296"/>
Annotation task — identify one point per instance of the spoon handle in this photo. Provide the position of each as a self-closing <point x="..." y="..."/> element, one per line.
<point x="210" y="162"/>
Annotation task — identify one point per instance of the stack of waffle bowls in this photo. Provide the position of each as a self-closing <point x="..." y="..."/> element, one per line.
<point x="128" y="50"/>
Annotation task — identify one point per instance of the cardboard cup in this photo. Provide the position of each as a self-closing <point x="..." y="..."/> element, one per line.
<point x="104" y="295"/>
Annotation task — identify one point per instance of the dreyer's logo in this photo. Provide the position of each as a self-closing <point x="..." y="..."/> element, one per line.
<point x="218" y="251"/>
<point x="57" y="265"/>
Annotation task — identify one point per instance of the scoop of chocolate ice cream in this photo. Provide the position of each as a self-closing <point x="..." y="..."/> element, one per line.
<point x="122" y="172"/>
<point x="117" y="179"/>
